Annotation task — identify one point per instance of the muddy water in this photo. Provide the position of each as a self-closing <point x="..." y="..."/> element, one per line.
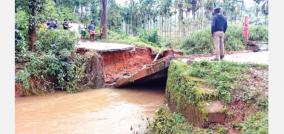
<point x="99" y="111"/>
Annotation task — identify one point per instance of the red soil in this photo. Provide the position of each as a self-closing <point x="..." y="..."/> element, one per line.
<point x="119" y="63"/>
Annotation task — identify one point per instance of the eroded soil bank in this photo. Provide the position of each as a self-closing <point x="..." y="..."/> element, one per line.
<point x="96" y="111"/>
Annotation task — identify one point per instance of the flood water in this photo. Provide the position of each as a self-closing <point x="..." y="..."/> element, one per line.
<point x="97" y="111"/>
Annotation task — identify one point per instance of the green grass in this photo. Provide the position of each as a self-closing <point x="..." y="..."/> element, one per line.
<point x="165" y="122"/>
<point x="224" y="76"/>
<point x="116" y="37"/>
<point x="256" y="123"/>
<point x="182" y="91"/>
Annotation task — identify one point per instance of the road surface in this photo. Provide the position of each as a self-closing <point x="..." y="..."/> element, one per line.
<point x="251" y="57"/>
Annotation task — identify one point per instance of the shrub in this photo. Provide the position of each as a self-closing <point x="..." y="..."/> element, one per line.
<point x="202" y="42"/>
<point x="55" y="40"/>
<point x="23" y="76"/>
<point x="20" y="46"/>
<point x="259" y="33"/>
<point x="60" y="71"/>
<point x="198" y="42"/>
<point x="165" y="122"/>
<point x="255" y="124"/>
<point x="172" y="43"/>
<point x="262" y="103"/>
<point x="22" y="21"/>
<point x="234" y="38"/>
<point x="53" y="66"/>
<point x="21" y="27"/>
<point x="134" y="40"/>
<point x="151" y="37"/>
<point x="50" y="10"/>
<point x="112" y="35"/>
<point x="66" y="13"/>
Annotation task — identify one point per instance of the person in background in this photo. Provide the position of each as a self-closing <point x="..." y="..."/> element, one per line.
<point x="52" y="24"/>
<point x="246" y="30"/>
<point x="49" y="24"/>
<point x="66" y="25"/>
<point x="83" y="32"/>
<point x="91" y="29"/>
<point x="218" y="29"/>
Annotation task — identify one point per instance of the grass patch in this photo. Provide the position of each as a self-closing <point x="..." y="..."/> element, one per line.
<point x="150" y="40"/>
<point x="183" y="90"/>
<point x="256" y="123"/>
<point x="224" y="76"/>
<point x="165" y="122"/>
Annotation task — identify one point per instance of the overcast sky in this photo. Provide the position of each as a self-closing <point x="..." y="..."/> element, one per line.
<point x="249" y="3"/>
<point x="121" y="2"/>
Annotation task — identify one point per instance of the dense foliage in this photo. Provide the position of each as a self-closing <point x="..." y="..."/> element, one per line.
<point x="56" y="71"/>
<point x="198" y="42"/>
<point x="151" y="37"/>
<point x="259" y="33"/>
<point x="145" y="39"/>
<point x="54" y="65"/>
<point x="202" y="42"/>
<point x="55" y="40"/>
<point x="20" y="46"/>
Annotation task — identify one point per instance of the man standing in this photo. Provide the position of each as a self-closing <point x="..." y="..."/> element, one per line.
<point x="92" y="30"/>
<point x="246" y="30"/>
<point x="83" y="32"/>
<point x="218" y="29"/>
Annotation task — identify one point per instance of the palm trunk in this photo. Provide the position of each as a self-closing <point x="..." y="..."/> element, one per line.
<point x="32" y="26"/>
<point x="104" y="19"/>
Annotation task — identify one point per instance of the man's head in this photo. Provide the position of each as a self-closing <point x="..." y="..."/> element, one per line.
<point x="217" y="10"/>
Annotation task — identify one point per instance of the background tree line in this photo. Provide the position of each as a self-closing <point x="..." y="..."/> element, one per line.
<point x="170" y="18"/>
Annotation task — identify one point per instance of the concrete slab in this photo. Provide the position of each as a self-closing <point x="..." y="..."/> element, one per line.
<point x="252" y="57"/>
<point x="147" y="70"/>
<point x="104" y="46"/>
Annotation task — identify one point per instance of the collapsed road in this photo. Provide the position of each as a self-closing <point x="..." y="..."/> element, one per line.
<point x="120" y="64"/>
<point x="115" y="65"/>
